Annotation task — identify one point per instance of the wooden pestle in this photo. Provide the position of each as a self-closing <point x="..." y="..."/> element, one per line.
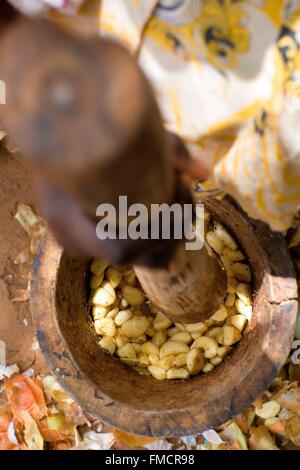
<point x="84" y="115"/>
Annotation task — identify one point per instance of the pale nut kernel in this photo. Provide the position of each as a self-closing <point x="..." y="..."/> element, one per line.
<point x="166" y="363"/>
<point x="108" y="344"/>
<point x="172" y="331"/>
<point x="157" y="372"/>
<point x="98" y="266"/>
<point x="230" y="299"/>
<point x="215" y="242"/>
<point x="123" y="303"/>
<point x="241" y="271"/>
<point x="224" y="235"/>
<point x="121" y="339"/>
<point x="129" y="362"/>
<point x="233" y="255"/>
<point x="154" y="360"/>
<point x="130" y="279"/>
<point x="112" y="313"/>
<point x="232" y="284"/>
<point x="231" y="311"/>
<point x="103" y="297"/>
<point x="223" y="351"/>
<point x="140" y="340"/>
<point x="135" y="327"/>
<point x="195" y="361"/>
<point x="231" y="335"/>
<point x="151" y="331"/>
<point x="213" y="332"/>
<point x="196" y="335"/>
<point x="150" y="349"/>
<point x="199" y="327"/>
<point x="270" y="409"/>
<point x="96" y="280"/>
<point x="243" y="309"/>
<point x="183" y="337"/>
<point x="180" y="360"/>
<point x="238" y="321"/>
<point x="220" y="315"/>
<point x="137" y="347"/>
<point x="107" y="286"/>
<point x="227" y="265"/>
<point x="99" y="312"/>
<point x="113" y="276"/>
<point x="220" y="336"/>
<point x="160" y="337"/>
<point x="133" y="295"/>
<point x="123" y="316"/>
<point x="172" y="348"/>
<point x="161" y="322"/>
<point x="144" y="360"/>
<point x="127" y="351"/>
<point x="105" y="327"/>
<point x="180" y="326"/>
<point x="208" y="367"/>
<point x="216" y="360"/>
<point x="180" y="373"/>
<point x="244" y="293"/>
<point x="209" y="345"/>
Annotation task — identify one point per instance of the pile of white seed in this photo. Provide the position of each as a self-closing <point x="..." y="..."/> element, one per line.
<point x="132" y="328"/>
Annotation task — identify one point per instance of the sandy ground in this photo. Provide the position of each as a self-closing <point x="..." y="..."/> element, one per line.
<point x="16" y="327"/>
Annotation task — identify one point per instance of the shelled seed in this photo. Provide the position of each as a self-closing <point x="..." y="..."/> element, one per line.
<point x="216" y="360"/>
<point x="96" y="280"/>
<point x="166" y="363"/>
<point x="241" y="271"/>
<point x="173" y="348"/>
<point x="103" y="297"/>
<point x="150" y="349"/>
<point x="233" y="255"/>
<point x="223" y="235"/>
<point x="157" y="372"/>
<point x="99" y="312"/>
<point x="123" y="316"/>
<point x="200" y="327"/>
<point x="160" y="337"/>
<point x="112" y="313"/>
<point x="113" y="276"/>
<point x="209" y="345"/>
<point x="133" y="295"/>
<point x="230" y="300"/>
<point x="180" y="360"/>
<point x="98" y="266"/>
<point x="220" y="315"/>
<point x="135" y="327"/>
<point x="183" y="337"/>
<point x="177" y="373"/>
<point x="127" y="351"/>
<point x="208" y="367"/>
<point x="243" y="309"/>
<point x="244" y="293"/>
<point x="105" y="327"/>
<point x="238" y="321"/>
<point x="108" y="344"/>
<point x="215" y="242"/>
<point x="195" y="361"/>
<point x="231" y="335"/>
<point x="161" y="322"/>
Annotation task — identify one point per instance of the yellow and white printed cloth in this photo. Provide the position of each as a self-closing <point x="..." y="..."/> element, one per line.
<point x="227" y="77"/>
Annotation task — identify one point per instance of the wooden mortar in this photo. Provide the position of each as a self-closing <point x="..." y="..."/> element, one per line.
<point x="117" y="394"/>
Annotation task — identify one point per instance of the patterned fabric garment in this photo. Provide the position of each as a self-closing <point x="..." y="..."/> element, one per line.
<point x="227" y="77"/>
